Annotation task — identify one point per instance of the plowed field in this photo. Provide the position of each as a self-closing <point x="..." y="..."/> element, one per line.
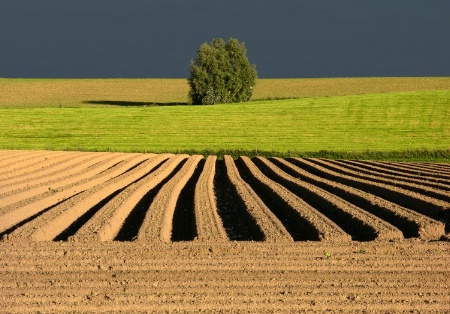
<point x="104" y="232"/>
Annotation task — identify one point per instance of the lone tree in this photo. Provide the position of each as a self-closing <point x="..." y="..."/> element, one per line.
<point x="221" y="73"/>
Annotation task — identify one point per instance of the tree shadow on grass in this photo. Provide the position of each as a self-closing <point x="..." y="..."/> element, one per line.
<point x="133" y="103"/>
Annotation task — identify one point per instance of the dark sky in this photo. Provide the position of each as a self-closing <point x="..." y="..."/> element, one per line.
<point x="284" y="38"/>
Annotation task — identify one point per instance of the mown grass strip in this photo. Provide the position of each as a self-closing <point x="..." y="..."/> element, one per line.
<point x="401" y="126"/>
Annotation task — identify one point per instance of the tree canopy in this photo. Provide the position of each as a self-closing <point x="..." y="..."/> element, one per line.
<point x="221" y="73"/>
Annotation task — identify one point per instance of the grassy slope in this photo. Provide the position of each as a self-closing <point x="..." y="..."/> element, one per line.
<point x="378" y="122"/>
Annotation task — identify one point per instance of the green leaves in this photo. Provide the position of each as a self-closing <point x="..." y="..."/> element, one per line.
<point x="221" y="73"/>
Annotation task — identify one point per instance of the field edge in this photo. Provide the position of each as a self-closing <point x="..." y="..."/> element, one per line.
<point x="410" y="155"/>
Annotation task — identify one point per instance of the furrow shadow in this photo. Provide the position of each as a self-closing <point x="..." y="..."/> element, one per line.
<point x="109" y="168"/>
<point x="298" y="227"/>
<point x="357" y="172"/>
<point x="5" y="233"/>
<point x="127" y="170"/>
<point x="237" y="221"/>
<point x="356" y="228"/>
<point x="78" y="223"/>
<point x="131" y="225"/>
<point x="421" y="206"/>
<point x="371" y="168"/>
<point x="409" y="228"/>
<point x="184" y="224"/>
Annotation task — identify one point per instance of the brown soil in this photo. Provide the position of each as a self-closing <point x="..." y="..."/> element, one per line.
<point x="209" y="224"/>
<point x="157" y="224"/>
<point x="266" y="221"/>
<point x="421" y="186"/>
<point x="56" y="178"/>
<point x="411" y="223"/>
<point x="287" y="206"/>
<point x="424" y="204"/>
<point x="438" y="171"/>
<point x="239" y="244"/>
<point x="107" y="220"/>
<point x="193" y="277"/>
<point x="420" y="177"/>
<point x="25" y="173"/>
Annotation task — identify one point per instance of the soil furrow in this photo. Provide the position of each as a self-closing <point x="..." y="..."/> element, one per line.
<point x="414" y="169"/>
<point x="430" y="165"/>
<point x="411" y="223"/>
<point x="345" y="270"/>
<point x="267" y="222"/>
<point x="184" y="221"/>
<point x="158" y="221"/>
<point x="108" y="221"/>
<point x="56" y="172"/>
<point x="15" y="213"/>
<point x="172" y="284"/>
<point x="8" y="155"/>
<point x="336" y="166"/>
<point x="223" y="292"/>
<point x="413" y="248"/>
<point x="244" y="306"/>
<point x="55" y="281"/>
<point x="445" y="167"/>
<point x="338" y="261"/>
<point x="437" y="167"/>
<point x="38" y="161"/>
<point x="130" y="229"/>
<point x="85" y="217"/>
<point x="237" y="221"/>
<point x="420" y="203"/>
<point x="361" y="225"/>
<point x="99" y="170"/>
<point x="366" y="168"/>
<point x="50" y="224"/>
<point x="55" y="163"/>
<point x="29" y="173"/>
<point x="299" y="218"/>
<point x="25" y="158"/>
<point x="237" y="303"/>
<point x="4" y="233"/>
<point x="260" y="266"/>
<point x="247" y="275"/>
<point x="208" y="222"/>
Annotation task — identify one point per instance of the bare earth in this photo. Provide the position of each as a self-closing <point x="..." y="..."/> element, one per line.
<point x="138" y="233"/>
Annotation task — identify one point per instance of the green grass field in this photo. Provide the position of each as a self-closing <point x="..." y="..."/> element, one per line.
<point x="391" y="122"/>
